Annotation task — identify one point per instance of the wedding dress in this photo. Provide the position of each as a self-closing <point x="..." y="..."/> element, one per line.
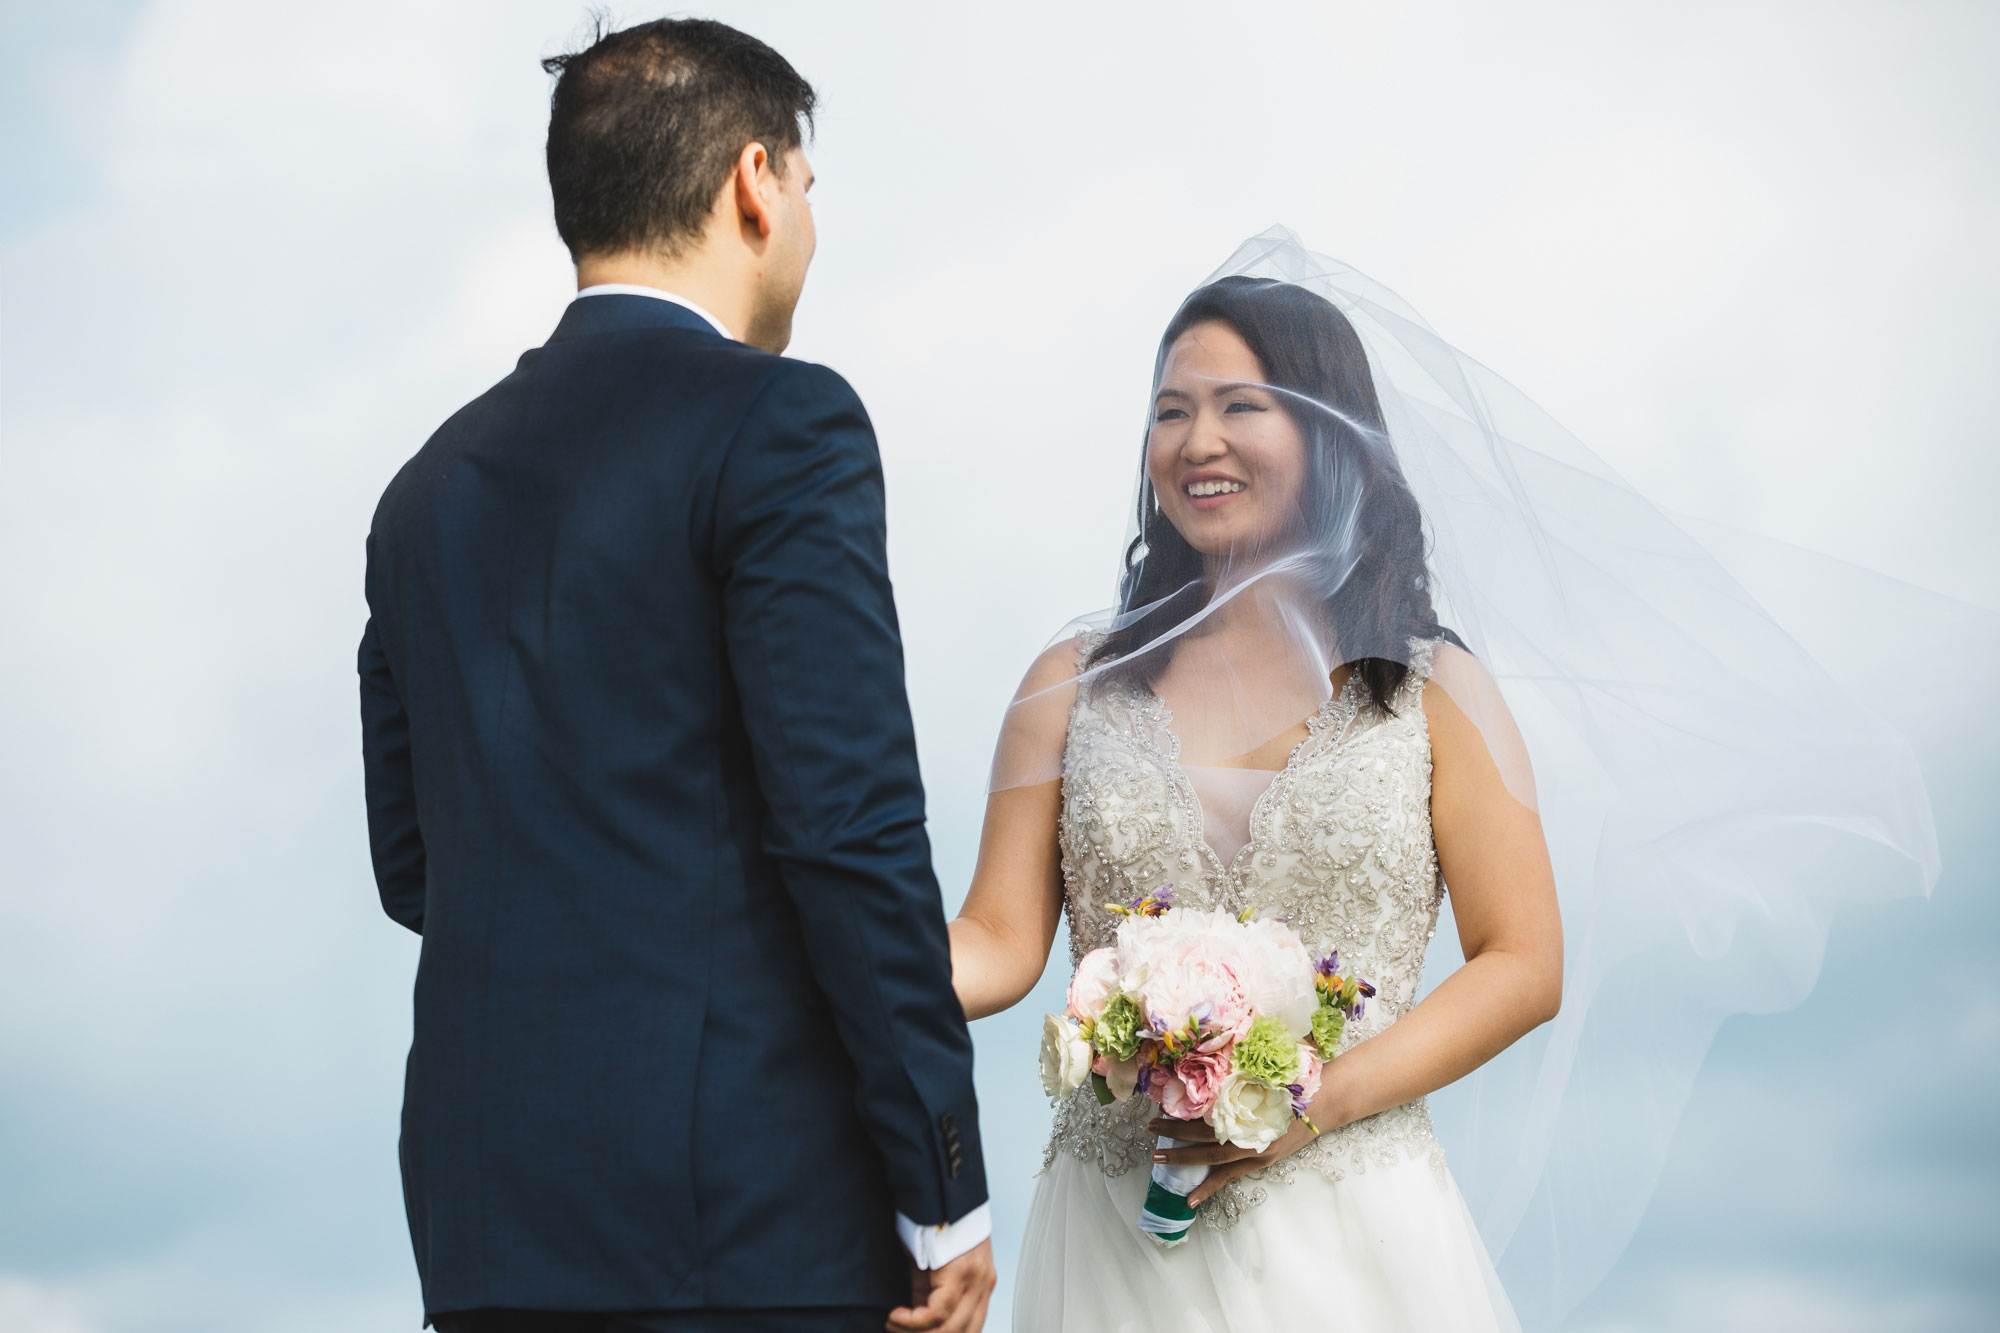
<point x="1363" y="1227"/>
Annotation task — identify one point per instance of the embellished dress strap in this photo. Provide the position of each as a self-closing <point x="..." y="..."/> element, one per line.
<point x="1423" y="657"/>
<point x="1087" y="643"/>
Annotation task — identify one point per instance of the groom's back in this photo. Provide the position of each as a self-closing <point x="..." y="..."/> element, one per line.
<point x="552" y="603"/>
<point x="613" y="970"/>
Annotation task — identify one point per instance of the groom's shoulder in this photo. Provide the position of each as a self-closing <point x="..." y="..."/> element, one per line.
<point x="808" y="384"/>
<point x="732" y="374"/>
<point x="710" y="391"/>
<point x="762" y="394"/>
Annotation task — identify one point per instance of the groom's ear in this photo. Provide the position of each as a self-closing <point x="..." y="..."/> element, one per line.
<point x="754" y="183"/>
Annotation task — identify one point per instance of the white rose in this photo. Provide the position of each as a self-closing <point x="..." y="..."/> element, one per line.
<point x="1065" y="1056"/>
<point x="1250" y="1114"/>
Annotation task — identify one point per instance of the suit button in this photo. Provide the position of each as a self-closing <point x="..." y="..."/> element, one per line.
<point x="947" y="1123"/>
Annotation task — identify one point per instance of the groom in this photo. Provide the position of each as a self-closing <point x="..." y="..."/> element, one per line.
<point x="640" y="771"/>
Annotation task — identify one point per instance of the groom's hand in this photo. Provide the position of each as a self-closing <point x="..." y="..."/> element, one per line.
<point x="951" y="1299"/>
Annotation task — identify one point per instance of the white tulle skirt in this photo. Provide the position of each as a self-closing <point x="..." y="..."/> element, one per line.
<point x="1388" y="1250"/>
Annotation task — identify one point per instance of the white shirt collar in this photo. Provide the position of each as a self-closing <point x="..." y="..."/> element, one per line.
<point x="658" y="294"/>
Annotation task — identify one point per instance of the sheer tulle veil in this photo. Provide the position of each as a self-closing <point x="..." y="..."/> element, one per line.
<point x="1709" y="791"/>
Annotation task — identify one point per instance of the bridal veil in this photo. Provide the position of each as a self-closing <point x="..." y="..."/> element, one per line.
<point x="1710" y="792"/>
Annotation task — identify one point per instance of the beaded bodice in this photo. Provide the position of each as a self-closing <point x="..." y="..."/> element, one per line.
<point x="1340" y="846"/>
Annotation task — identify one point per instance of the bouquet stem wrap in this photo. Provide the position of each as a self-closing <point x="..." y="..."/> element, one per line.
<point x="1167" y="1214"/>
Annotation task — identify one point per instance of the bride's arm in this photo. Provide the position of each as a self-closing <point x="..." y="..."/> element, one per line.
<point x="1503" y="897"/>
<point x="1000" y="942"/>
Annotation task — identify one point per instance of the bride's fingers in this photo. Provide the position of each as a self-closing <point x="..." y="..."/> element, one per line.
<point x="1217" y="1178"/>
<point x="1188" y="1131"/>
<point x="1201" y="1154"/>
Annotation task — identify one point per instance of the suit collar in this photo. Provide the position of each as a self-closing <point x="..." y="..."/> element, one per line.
<point x="620" y="313"/>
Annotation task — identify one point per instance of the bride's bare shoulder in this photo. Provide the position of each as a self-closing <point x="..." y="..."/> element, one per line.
<point x="1036" y="729"/>
<point x="1472" y="730"/>
<point x="1057" y="665"/>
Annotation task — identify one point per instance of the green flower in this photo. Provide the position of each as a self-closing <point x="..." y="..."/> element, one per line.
<point x="1327" y="1025"/>
<point x="1117" y="1030"/>
<point x="1267" y="1053"/>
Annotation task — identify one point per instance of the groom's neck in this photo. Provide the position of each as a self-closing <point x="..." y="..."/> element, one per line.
<point x="709" y="281"/>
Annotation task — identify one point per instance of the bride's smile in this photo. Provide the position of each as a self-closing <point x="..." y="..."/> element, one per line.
<point x="1208" y="489"/>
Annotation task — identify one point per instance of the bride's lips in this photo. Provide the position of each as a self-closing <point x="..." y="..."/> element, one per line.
<point x="1222" y="486"/>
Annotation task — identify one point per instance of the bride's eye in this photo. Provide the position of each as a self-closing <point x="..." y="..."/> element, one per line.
<point x="1241" y="406"/>
<point x="1169" y="414"/>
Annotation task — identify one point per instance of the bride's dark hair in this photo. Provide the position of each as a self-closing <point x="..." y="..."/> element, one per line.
<point x="1306" y="346"/>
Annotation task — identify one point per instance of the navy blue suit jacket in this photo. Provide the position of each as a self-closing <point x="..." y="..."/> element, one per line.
<point x="640" y="771"/>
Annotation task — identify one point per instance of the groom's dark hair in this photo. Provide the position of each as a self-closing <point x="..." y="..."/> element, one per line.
<point x="645" y="125"/>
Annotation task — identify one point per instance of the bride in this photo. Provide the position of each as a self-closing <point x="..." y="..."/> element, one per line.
<point x="1275" y="720"/>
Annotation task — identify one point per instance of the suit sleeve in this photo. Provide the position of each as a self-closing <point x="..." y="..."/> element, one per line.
<point x="810" y="629"/>
<point x="395" y="842"/>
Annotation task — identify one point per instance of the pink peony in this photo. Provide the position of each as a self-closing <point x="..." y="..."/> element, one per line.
<point x="1221" y="1039"/>
<point x="1199" y="972"/>
<point x="1278" y="975"/>
<point x="1190" y="1091"/>
<point x="1096" y="977"/>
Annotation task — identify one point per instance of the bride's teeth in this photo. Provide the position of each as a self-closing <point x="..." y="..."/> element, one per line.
<point x="1202" y="489"/>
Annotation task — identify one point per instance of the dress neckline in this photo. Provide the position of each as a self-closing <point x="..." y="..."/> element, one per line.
<point x="1343" y="707"/>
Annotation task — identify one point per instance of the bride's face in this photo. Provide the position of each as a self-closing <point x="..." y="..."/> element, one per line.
<point x="1226" y="460"/>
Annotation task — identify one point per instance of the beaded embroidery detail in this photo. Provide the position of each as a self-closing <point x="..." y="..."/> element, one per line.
<point x="1340" y="845"/>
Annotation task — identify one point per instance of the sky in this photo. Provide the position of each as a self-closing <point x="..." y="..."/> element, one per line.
<point x="252" y="253"/>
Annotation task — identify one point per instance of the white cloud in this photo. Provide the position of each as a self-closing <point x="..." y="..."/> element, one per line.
<point x="30" y="1307"/>
<point x="1723" y="1300"/>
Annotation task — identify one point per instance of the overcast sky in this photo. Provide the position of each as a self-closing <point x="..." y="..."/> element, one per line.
<point x="252" y="253"/>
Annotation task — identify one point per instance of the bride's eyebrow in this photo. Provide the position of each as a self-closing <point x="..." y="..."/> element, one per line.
<point x="1222" y="389"/>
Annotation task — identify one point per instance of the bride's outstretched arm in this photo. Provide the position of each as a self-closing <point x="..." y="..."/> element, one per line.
<point x="1000" y="942"/>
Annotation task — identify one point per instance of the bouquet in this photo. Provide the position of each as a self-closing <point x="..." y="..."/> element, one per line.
<point x="1217" y="1018"/>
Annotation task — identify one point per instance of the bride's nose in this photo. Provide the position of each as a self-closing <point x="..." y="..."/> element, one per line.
<point x="1204" y="443"/>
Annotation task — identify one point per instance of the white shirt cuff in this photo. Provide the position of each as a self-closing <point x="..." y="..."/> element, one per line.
<point x="934" y="1247"/>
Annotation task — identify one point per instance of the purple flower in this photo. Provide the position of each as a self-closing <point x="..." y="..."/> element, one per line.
<point x="1155" y="903"/>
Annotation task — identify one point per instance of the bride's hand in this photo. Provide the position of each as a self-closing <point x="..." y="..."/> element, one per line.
<point x="1226" y="1159"/>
